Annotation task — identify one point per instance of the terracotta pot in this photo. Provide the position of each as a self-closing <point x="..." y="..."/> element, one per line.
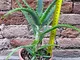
<point x="21" y="56"/>
<point x="50" y="59"/>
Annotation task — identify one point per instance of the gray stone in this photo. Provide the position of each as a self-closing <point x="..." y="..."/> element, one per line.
<point x="68" y="42"/>
<point x="66" y="54"/>
<point x="15" y="31"/>
<point x="5" y="44"/>
<point x="70" y="18"/>
<point x="66" y="0"/>
<point x="76" y="8"/>
<point x="5" y="4"/>
<point x="1" y="37"/>
<point x="61" y="58"/>
<point x="23" y="31"/>
<point x="11" y="58"/>
<point x="4" y="54"/>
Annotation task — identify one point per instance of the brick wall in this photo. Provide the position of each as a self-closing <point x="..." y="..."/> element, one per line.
<point x="69" y="7"/>
<point x="70" y="14"/>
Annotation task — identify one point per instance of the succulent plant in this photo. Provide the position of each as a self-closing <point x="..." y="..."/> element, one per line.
<point x="38" y="19"/>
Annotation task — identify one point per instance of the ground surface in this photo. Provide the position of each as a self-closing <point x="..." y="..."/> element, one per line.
<point x="17" y="32"/>
<point x="60" y="55"/>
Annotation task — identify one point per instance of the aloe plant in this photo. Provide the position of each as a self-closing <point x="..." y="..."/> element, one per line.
<point x="38" y="19"/>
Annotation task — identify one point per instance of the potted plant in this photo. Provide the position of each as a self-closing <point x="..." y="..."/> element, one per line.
<point x="38" y="19"/>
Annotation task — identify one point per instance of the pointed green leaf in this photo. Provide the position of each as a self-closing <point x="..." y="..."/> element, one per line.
<point x="28" y="17"/>
<point x="45" y="46"/>
<point x="46" y="20"/>
<point x="33" y="58"/>
<point x="47" y="26"/>
<point x="26" y="4"/>
<point x="20" y="5"/>
<point x="31" y="12"/>
<point x="16" y="50"/>
<point x="40" y="7"/>
<point x="47" y="56"/>
<point x="47" y="11"/>
<point x="30" y="51"/>
<point x="12" y="52"/>
<point x="61" y="25"/>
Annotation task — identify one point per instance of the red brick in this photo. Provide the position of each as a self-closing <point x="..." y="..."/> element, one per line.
<point x="78" y="26"/>
<point x="20" y="42"/>
<point x="32" y="3"/>
<point x="25" y="41"/>
<point x="69" y="33"/>
<point x="46" y="4"/>
<point x="66" y="7"/>
<point x="15" y="18"/>
<point x="76" y="8"/>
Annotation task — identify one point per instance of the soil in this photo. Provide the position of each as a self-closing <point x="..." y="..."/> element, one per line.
<point x="26" y="56"/>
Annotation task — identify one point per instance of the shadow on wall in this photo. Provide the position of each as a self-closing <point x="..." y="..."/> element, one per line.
<point x="75" y="0"/>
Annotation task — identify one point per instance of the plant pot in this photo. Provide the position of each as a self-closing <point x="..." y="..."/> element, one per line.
<point x="21" y="58"/>
<point x="20" y="54"/>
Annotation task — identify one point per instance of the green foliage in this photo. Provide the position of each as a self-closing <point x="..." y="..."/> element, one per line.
<point x="38" y="19"/>
<point x="39" y="8"/>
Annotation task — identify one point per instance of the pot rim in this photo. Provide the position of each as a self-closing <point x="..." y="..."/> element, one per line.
<point x="20" y="54"/>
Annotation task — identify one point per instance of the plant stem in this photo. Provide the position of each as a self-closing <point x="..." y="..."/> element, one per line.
<point x="37" y="33"/>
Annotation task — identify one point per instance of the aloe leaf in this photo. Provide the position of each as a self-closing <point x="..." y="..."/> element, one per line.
<point x="16" y="50"/>
<point x="46" y="56"/>
<point x="47" y="11"/>
<point x="30" y="51"/>
<point x="41" y="37"/>
<point x="12" y="52"/>
<point x="28" y="17"/>
<point x="46" y="20"/>
<point x="31" y="12"/>
<point x="45" y="46"/>
<point x="61" y="25"/>
<point x="40" y="7"/>
<point x="35" y="42"/>
<point x="33" y="58"/>
<point x="47" y="26"/>
<point x="26" y="4"/>
<point x="20" y="5"/>
<point x="45" y="29"/>
<point x="34" y="30"/>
